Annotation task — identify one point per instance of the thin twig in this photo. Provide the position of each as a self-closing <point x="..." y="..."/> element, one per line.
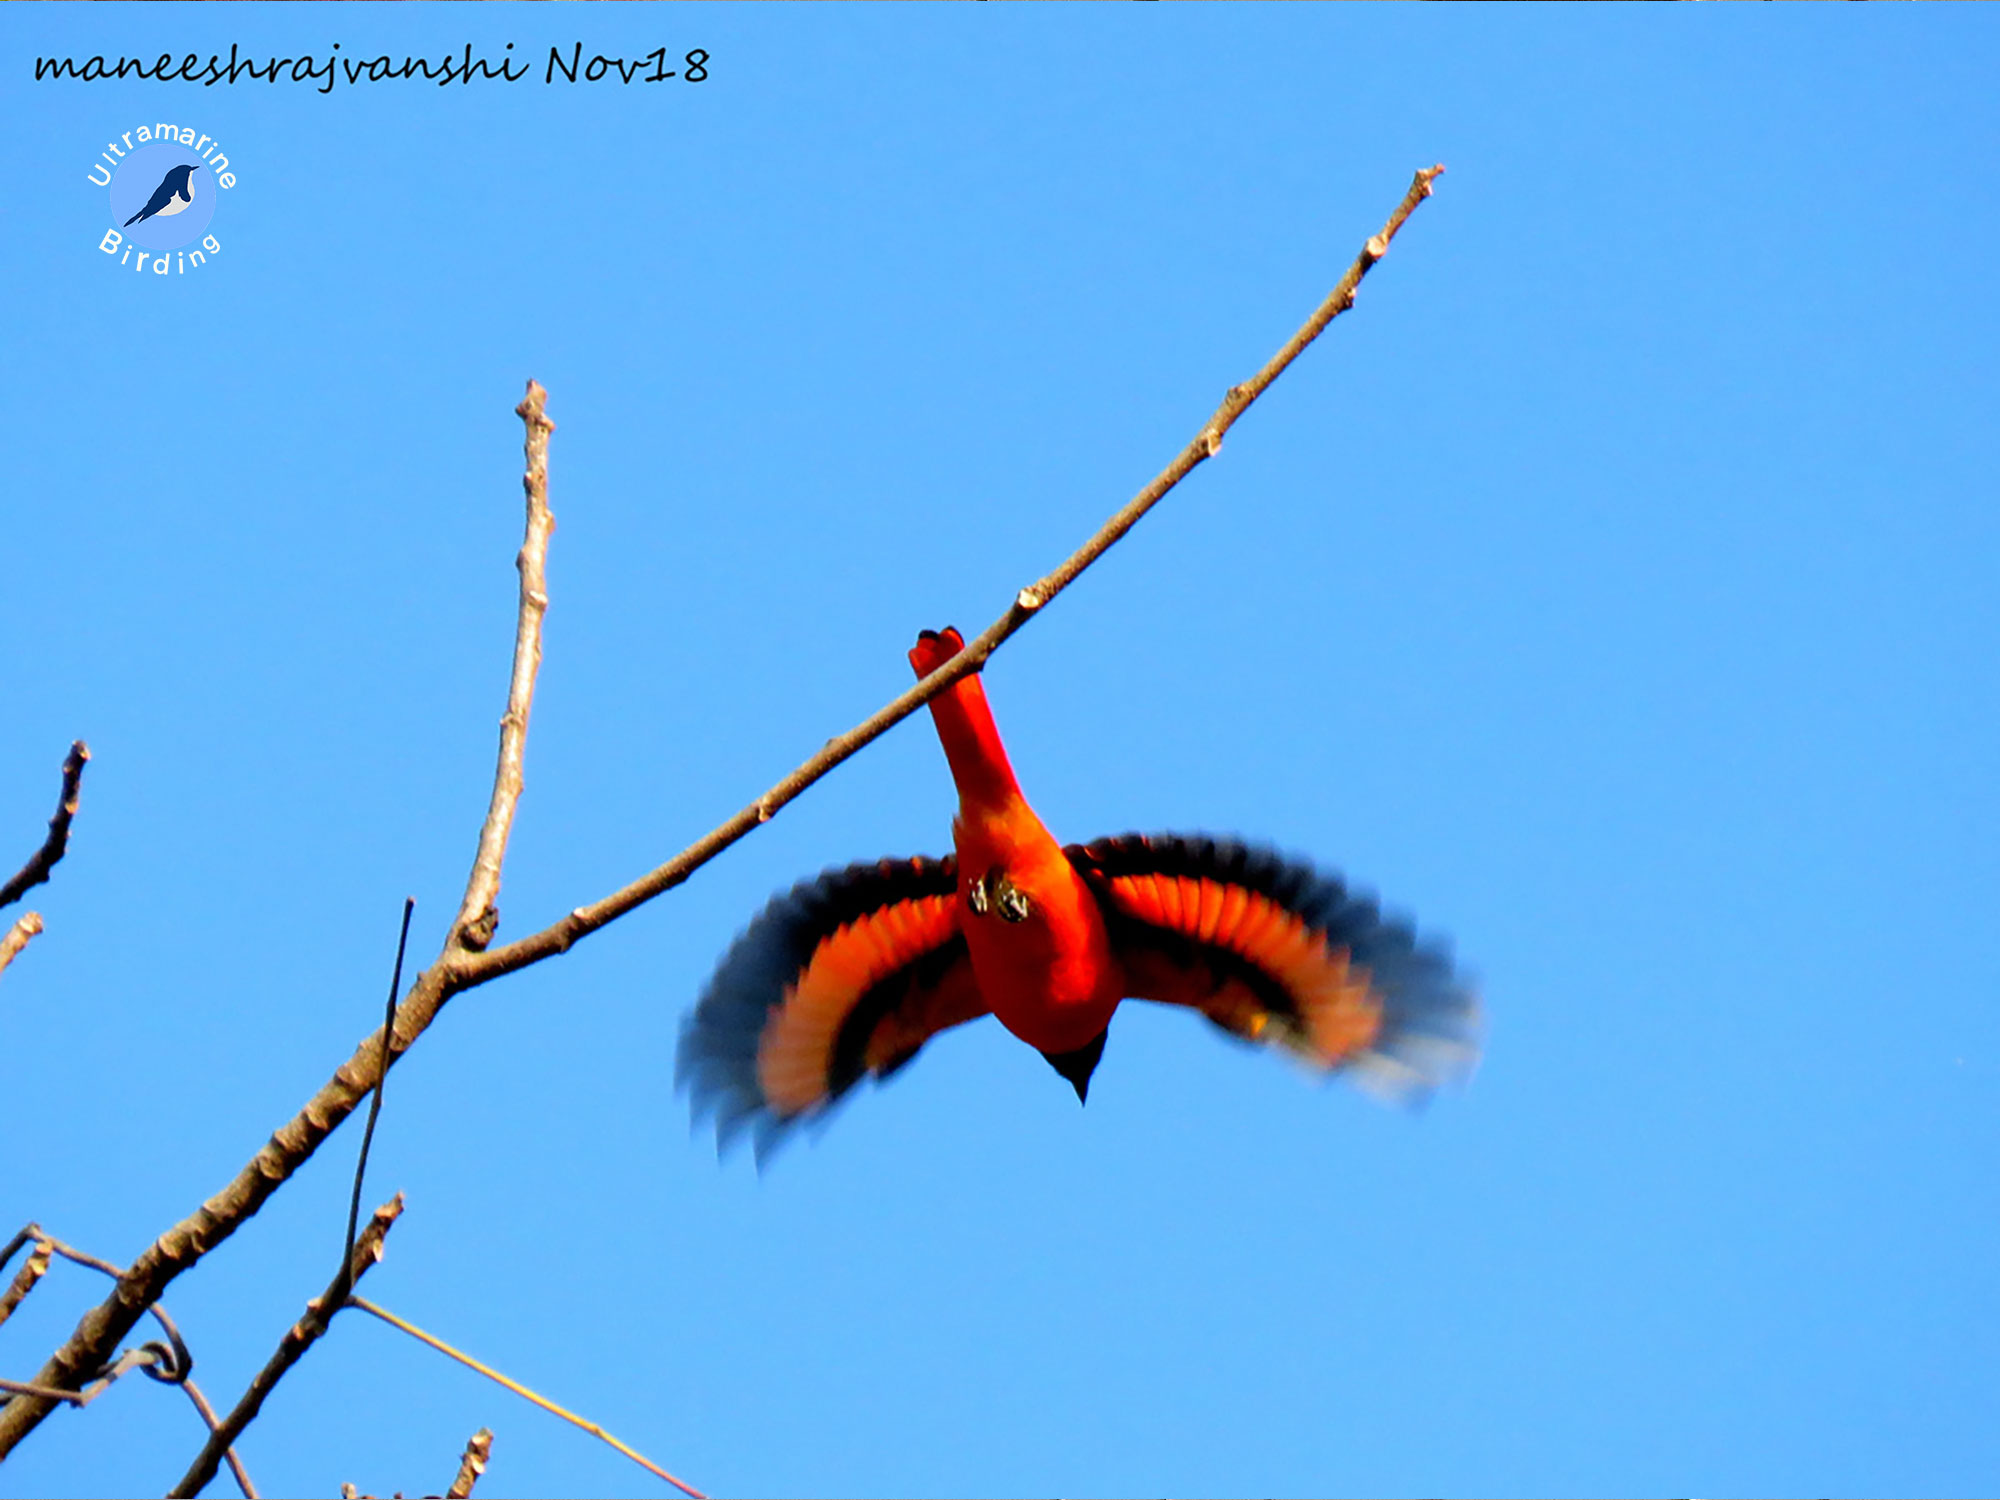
<point x="28" y="1234"/>
<point x="521" y="1390"/>
<point x="471" y="1464"/>
<point x="43" y="1392"/>
<point x="381" y="1084"/>
<point x="478" y="915"/>
<point x="149" y="1357"/>
<point x="460" y="968"/>
<point x="18" y="935"/>
<point x="36" y="870"/>
<point x="33" y="1269"/>
<point x="97" y="1263"/>
<point x="300" y="1337"/>
<point x="208" y="1415"/>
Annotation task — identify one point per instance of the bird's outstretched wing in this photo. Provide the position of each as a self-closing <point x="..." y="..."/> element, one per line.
<point x="1273" y="951"/>
<point x="847" y="974"/>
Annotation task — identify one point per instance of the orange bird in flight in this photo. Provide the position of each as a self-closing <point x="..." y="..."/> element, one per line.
<point x="851" y="973"/>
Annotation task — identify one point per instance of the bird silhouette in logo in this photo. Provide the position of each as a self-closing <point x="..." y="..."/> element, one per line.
<point x="172" y="195"/>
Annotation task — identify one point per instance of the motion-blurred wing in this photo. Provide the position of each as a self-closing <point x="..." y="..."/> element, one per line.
<point x="1273" y="951"/>
<point x="847" y="974"/>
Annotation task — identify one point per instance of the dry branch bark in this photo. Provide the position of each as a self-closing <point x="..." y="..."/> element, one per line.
<point x="471" y="1464"/>
<point x="33" y="1269"/>
<point x="463" y="966"/>
<point x="18" y="936"/>
<point x="36" y="870"/>
<point x="479" y="913"/>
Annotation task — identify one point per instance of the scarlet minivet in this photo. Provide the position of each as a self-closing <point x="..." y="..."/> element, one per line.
<point x="853" y="972"/>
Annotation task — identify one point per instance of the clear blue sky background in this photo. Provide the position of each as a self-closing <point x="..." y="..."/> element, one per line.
<point x="1614" y="590"/>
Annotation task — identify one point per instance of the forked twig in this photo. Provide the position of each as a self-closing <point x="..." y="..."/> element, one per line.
<point x="559" y="936"/>
<point x="182" y="1363"/>
<point x="463" y="965"/>
<point x="294" y="1142"/>
<point x="300" y="1337"/>
<point x="236" y="1468"/>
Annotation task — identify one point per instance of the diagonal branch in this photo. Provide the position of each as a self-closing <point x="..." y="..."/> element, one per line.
<point x="178" y="1362"/>
<point x="479" y="915"/>
<point x="1206" y="444"/>
<point x="462" y="966"/>
<point x="207" y="1413"/>
<point x="300" y="1337"/>
<point x="36" y="870"/>
<point x="522" y="1391"/>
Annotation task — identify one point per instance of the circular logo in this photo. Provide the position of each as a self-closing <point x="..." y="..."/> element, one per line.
<point x="162" y="196"/>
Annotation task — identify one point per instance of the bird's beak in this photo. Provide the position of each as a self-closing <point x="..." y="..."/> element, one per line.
<point x="1077" y="1066"/>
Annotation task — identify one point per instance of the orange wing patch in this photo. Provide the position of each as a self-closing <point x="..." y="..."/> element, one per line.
<point x="843" y="976"/>
<point x="799" y="1041"/>
<point x="1272" y="951"/>
<point x="1332" y="1012"/>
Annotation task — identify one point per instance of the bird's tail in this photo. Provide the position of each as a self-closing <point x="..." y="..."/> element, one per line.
<point x="979" y="763"/>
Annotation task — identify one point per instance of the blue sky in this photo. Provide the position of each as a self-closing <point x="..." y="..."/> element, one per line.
<point x="1613" y="590"/>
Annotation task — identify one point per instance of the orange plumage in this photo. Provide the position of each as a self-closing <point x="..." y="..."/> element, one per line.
<point x="853" y="972"/>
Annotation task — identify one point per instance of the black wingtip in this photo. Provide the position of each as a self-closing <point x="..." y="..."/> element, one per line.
<point x="717" y="1059"/>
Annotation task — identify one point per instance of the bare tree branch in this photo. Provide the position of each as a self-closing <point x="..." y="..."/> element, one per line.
<point x="471" y="1464"/>
<point x="478" y="915"/>
<point x="181" y="1363"/>
<point x="36" y="870"/>
<point x="300" y="1337"/>
<point x="463" y="966"/>
<point x="29" y="925"/>
<point x="100" y="1329"/>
